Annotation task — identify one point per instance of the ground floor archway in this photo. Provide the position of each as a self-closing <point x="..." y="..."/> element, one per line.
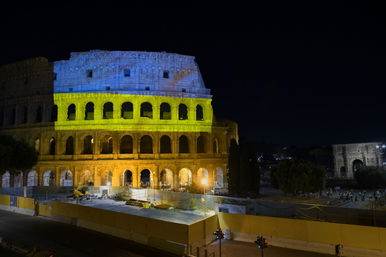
<point x="6" y="179"/>
<point x="18" y="179"/>
<point x="32" y="178"/>
<point x="145" y="179"/>
<point x="128" y="178"/>
<point x="49" y="178"/>
<point x="166" y="179"/>
<point x="185" y="177"/>
<point x="66" y="178"/>
<point x="219" y="182"/>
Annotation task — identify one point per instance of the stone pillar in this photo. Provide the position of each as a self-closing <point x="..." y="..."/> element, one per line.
<point x="115" y="179"/>
<point x="155" y="178"/>
<point x="96" y="176"/>
<point x="57" y="176"/>
<point x="135" y="177"/>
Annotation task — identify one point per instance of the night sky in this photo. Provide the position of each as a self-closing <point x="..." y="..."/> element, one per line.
<point x="287" y="74"/>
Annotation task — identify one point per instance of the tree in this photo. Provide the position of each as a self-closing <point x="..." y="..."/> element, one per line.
<point x="371" y="177"/>
<point x="295" y="175"/>
<point x="243" y="174"/>
<point x="16" y="155"/>
<point x="233" y="168"/>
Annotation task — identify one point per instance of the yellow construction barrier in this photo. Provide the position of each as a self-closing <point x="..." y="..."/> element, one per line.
<point x="308" y="231"/>
<point x="5" y="200"/>
<point x="25" y="203"/>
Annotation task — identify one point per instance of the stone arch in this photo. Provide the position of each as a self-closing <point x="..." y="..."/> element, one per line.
<point x="127" y="110"/>
<point x="185" y="177"/>
<point x="107" y="145"/>
<point x="201" y="144"/>
<point x="39" y="114"/>
<point x="126" y="144"/>
<point x="165" y="111"/>
<point x="86" y="178"/>
<point x="183" y="144"/>
<point x="165" y="144"/>
<point x="88" y="145"/>
<point x="199" y="113"/>
<point x="49" y="178"/>
<point x="69" y="146"/>
<point x="54" y="113"/>
<point x="32" y="178"/>
<point x="146" y="144"/>
<point x="357" y="165"/>
<point x="127" y="178"/>
<point x="71" y="112"/>
<point x="6" y="179"/>
<point x="343" y="172"/>
<point x="215" y="146"/>
<point x="107" y="178"/>
<point x="219" y="183"/>
<point x="146" y="110"/>
<point x="108" y="110"/>
<point x="182" y="112"/>
<point x="24" y="115"/>
<point x="52" y="145"/>
<point x="66" y="178"/>
<point x="202" y="176"/>
<point x="89" y="111"/>
<point x="145" y="178"/>
<point x="166" y="179"/>
<point x="18" y="179"/>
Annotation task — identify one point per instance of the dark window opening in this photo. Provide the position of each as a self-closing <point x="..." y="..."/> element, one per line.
<point x="146" y="144"/>
<point x="146" y="110"/>
<point x="200" y="144"/>
<point x="108" y="88"/>
<point x="145" y="178"/>
<point x="147" y="88"/>
<point x="39" y="114"/>
<point x="128" y="178"/>
<point x="52" y="146"/>
<point x="107" y="145"/>
<point x="165" y="145"/>
<point x="88" y="145"/>
<point x="182" y="112"/>
<point x="71" y="112"/>
<point x="89" y="112"/>
<point x="89" y="73"/>
<point x="126" y="145"/>
<point x="25" y="115"/>
<point x="70" y="89"/>
<point x="127" y="73"/>
<point x="165" y="74"/>
<point x="108" y="110"/>
<point x="69" y="146"/>
<point x="54" y="113"/>
<point x="54" y="76"/>
<point x="199" y="113"/>
<point x="183" y="90"/>
<point x="165" y="113"/>
<point x="127" y="110"/>
<point x="183" y="144"/>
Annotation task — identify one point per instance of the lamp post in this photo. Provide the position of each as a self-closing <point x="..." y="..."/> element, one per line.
<point x="204" y="182"/>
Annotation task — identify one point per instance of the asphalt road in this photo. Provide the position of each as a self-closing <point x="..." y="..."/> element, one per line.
<point x="67" y="240"/>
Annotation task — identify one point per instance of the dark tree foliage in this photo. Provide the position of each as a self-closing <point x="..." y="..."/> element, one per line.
<point x="294" y="176"/>
<point x="233" y="168"/>
<point x="243" y="174"/>
<point x="16" y="155"/>
<point x="370" y="177"/>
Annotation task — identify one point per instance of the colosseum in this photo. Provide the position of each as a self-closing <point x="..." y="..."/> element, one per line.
<point x="115" y="119"/>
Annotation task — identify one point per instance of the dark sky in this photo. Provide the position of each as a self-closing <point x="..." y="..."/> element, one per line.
<point x="288" y="74"/>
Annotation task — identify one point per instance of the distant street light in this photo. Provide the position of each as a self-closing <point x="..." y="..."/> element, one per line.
<point x="204" y="182"/>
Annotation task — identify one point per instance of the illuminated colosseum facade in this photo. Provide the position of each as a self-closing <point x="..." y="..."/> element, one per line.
<point x="115" y="118"/>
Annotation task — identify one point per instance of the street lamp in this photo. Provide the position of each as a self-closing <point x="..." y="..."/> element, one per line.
<point x="204" y="182"/>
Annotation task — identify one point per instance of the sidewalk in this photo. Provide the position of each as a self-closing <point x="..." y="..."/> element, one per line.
<point x="236" y="248"/>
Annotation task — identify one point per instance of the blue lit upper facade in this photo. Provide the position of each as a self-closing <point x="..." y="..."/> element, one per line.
<point x="130" y="72"/>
